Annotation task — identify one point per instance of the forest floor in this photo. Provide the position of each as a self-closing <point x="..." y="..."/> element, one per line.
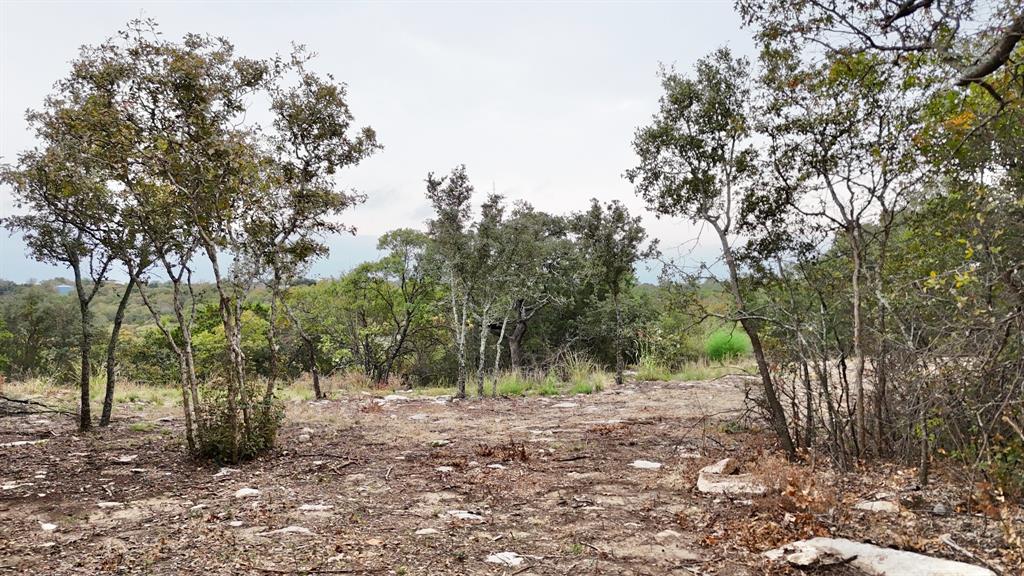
<point x="427" y="485"/>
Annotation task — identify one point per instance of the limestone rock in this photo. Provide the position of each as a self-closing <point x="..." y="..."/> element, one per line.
<point x="871" y="559"/>
<point x="722" y="478"/>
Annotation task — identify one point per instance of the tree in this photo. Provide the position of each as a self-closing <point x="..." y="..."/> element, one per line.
<point x="697" y="161"/>
<point x="842" y="151"/>
<point x="451" y="240"/>
<point x="52" y="188"/>
<point x="611" y="242"/>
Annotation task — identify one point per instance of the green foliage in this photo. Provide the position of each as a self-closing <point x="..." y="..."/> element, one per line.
<point x="725" y="344"/>
<point x="217" y="435"/>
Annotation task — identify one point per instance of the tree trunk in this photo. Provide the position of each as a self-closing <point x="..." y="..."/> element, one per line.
<point x="115" y="331"/>
<point x="482" y="359"/>
<point x="515" y="339"/>
<point x="619" y="361"/>
<point x="497" y="352"/>
<point x="776" y="413"/>
<point x="318" y="393"/>
<point x="858" y="343"/>
<point x="84" y="346"/>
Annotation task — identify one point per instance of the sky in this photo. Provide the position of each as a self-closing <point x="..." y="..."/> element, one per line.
<point x="538" y="99"/>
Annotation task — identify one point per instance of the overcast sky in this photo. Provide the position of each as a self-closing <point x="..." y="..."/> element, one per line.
<point x="539" y="100"/>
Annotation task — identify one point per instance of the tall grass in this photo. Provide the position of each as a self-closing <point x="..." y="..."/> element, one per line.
<point x="727" y="344"/>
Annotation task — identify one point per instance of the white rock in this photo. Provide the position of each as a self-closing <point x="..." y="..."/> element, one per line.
<point x="883" y="506"/>
<point x="439" y="443"/>
<point x="505" y="558"/>
<point x="721" y="478"/>
<point x="126" y="458"/>
<point x="247" y="493"/>
<point x="465" y="516"/>
<point x="315" y="508"/>
<point x="306" y="431"/>
<point x="496" y="466"/>
<point x="235" y="523"/>
<point x="297" y="530"/>
<point x="667" y="536"/>
<point x="47" y="527"/>
<point x="303" y="438"/>
<point x="394" y="398"/>
<point x="645" y="464"/>
<point x="444" y="469"/>
<point x="224" y="472"/>
<point x="565" y="405"/>
<point x="138" y="470"/>
<point x="418" y="417"/>
<point x="426" y="532"/>
<point x="21" y="443"/>
<point x="871" y="559"/>
<point x="198" y="508"/>
<point x="110" y="504"/>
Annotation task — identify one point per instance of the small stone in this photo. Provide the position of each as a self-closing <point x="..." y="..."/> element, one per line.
<point x="645" y="465"/>
<point x="21" y="443"/>
<point x="195" y="510"/>
<point x="105" y="505"/>
<point x="940" y="509"/>
<point x="565" y="405"/>
<point x="439" y="443"/>
<point x="445" y="469"/>
<point x="287" y="530"/>
<point x="303" y="438"/>
<point x="315" y="508"/>
<point x="306" y="431"/>
<point x="374" y="542"/>
<point x="418" y="417"/>
<point x="394" y="398"/>
<point x="427" y="532"/>
<point x="126" y="458"/>
<point x="235" y="523"/>
<point x="882" y="506"/>
<point x="247" y="493"/>
<point x="496" y="466"/>
<point x="224" y="472"/>
<point x="138" y="470"/>
<point x="465" y="516"/>
<point x="667" y="536"/>
<point x="505" y="558"/>
<point x="47" y="527"/>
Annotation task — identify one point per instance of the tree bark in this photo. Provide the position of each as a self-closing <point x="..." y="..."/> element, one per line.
<point x="115" y="332"/>
<point x="619" y="361"/>
<point x="776" y="413"/>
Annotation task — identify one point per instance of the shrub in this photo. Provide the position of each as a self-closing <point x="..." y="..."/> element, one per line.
<point x="726" y="344"/>
<point x="216" y="438"/>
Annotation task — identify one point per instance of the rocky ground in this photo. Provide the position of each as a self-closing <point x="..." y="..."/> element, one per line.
<point x="590" y="484"/>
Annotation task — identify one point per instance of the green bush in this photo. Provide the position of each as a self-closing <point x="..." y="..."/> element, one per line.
<point x="214" y="434"/>
<point x="726" y="344"/>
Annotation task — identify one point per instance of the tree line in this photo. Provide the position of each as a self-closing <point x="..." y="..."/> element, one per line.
<point x="861" y="179"/>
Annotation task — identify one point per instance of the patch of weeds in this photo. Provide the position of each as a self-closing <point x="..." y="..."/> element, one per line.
<point x="547" y="388"/>
<point x="733" y="427"/>
<point x="508" y="452"/>
<point x="512" y="385"/>
<point x="576" y="549"/>
<point x="142" y="426"/>
<point x="585" y="388"/>
<point x="649" y="370"/>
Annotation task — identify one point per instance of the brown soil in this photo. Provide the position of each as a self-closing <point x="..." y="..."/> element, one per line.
<point x="549" y="479"/>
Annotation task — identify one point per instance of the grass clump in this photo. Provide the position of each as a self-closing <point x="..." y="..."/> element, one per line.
<point x="726" y="344"/>
<point x="650" y="369"/>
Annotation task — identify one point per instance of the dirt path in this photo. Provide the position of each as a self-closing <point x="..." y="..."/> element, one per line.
<point x="401" y="486"/>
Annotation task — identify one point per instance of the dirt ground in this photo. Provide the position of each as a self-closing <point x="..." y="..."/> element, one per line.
<point x="364" y="485"/>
